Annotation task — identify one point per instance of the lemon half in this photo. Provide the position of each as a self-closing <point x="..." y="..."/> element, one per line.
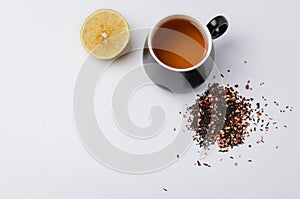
<point x="105" y="34"/>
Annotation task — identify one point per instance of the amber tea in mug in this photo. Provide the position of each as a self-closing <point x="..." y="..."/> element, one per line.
<point x="178" y="43"/>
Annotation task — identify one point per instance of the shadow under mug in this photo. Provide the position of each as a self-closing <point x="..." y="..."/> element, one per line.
<point x="182" y="80"/>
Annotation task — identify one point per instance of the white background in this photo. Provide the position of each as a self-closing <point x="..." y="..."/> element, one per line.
<point x="41" y="155"/>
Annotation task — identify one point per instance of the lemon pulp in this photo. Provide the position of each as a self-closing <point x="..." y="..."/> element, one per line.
<point x="105" y="34"/>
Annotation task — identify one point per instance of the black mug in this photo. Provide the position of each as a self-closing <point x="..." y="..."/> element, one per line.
<point x="181" y="80"/>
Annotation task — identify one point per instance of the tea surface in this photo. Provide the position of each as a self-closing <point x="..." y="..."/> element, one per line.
<point x="178" y="43"/>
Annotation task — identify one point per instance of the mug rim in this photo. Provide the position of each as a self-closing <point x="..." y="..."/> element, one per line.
<point x="200" y="25"/>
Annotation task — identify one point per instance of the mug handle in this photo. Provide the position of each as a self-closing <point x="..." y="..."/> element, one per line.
<point x="217" y="26"/>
